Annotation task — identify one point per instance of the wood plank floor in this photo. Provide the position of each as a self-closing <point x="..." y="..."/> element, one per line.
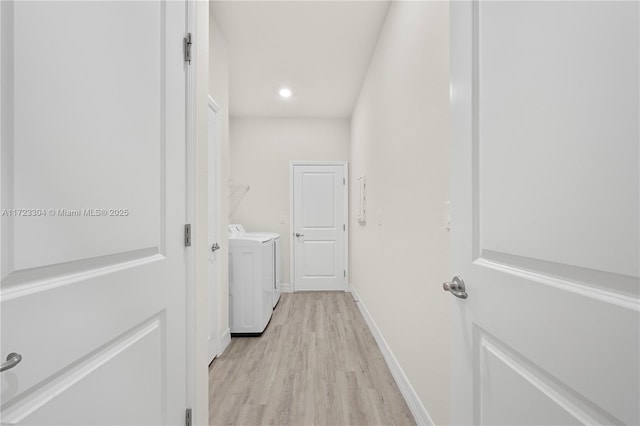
<point x="316" y="364"/>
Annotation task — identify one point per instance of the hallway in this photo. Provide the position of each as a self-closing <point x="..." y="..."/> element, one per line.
<point x="317" y="363"/>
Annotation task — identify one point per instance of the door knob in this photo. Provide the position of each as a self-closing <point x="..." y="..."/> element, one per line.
<point x="456" y="287"/>
<point x="299" y="235"/>
<point x="13" y="359"/>
<point x="215" y="247"/>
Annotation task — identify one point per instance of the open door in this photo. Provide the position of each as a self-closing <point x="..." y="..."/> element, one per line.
<point x="545" y="233"/>
<point x="93" y="212"/>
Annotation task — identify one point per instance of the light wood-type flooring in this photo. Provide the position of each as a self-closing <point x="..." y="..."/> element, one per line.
<point x="316" y="364"/>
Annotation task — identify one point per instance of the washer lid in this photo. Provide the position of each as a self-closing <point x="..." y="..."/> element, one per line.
<point x="236" y="230"/>
<point x="266" y="235"/>
<point x="261" y="238"/>
<point x="273" y="235"/>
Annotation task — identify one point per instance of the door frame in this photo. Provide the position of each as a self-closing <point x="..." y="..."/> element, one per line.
<point x="292" y="165"/>
<point x="213" y="193"/>
<point x="192" y="348"/>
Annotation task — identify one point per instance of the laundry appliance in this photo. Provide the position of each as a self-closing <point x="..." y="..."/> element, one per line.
<point x="250" y="283"/>
<point x="237" y="230"/>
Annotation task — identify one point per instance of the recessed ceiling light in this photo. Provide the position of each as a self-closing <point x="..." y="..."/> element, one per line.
<point x="285" y="93"/>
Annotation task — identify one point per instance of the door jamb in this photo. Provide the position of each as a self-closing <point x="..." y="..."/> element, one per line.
<point x="215" y="169"/>
<point x="292" y="165"/>
<point x="190" y="215"/>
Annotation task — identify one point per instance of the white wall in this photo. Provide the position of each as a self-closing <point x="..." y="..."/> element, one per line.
<point x="400" y="139"/>
<point x="261" y="149"/>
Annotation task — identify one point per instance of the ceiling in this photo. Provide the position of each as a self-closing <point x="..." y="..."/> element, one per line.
<point x="319" y="49"/>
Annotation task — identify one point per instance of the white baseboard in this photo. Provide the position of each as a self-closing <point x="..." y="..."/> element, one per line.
<point x="420" y="413"/>
<point x="286" y="288"/>
<point x="225" y="340"/>
<point x="353" y="293"/>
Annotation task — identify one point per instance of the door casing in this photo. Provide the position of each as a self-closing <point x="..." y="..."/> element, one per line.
<point x="213" y="218"/>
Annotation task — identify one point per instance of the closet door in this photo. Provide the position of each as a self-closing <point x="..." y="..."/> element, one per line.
<point x="93" y="189"/>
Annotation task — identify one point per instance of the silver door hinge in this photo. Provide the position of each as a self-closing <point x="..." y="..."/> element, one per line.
<point x="187" y="235"/>
<point x="344" y="227"/>
<point x="344" y="181"/>
<point x="187" y="418"/>
<point x="344" y="272"/>
<point x="186" y="44"/>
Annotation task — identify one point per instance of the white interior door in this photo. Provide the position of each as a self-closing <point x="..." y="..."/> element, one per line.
<point x="545" y="127"/>
<point x="93" y="202"/>
<point x="319" y="226"/>
<point x="213" y="224"/>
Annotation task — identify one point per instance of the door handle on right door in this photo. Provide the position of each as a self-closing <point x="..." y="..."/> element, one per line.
<point x="456" y="287"/>
<point x="13" y="359"/>
<point x="299" y="235"/>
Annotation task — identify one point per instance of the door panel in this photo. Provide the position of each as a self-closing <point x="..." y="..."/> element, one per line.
<point x="318" y="207"/>
<point x="318" y="200"/>
<point x="320" y="259"/>
<point x="514" y="391"/>
<point x="545" y="212"/>
<point x="554" y="139"/>
<point x="76" y="385"/>
<point x="79" y="136"/>
<point x="93" y="273"/>
<point x="506" y="381"/>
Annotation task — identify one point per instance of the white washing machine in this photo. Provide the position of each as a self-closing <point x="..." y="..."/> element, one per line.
<point x="236" y="230"/>
<point x="251" y="272"/>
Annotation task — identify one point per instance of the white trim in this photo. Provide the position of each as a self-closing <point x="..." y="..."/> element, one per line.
<point x="418" y="410"/>
<point x="292" y="269"/>
<point x="605" y="296"/>
<point x="214" y="215"/>
<point x="347" y="273"/>
<point x="345" y="165"/>
<point x="214" y="105"/>
<point x="191" y="99"/>
<point x="286" y="288"/>
<point x="353" y="293"/>
<point x="28" y="284"/>
<point x="225" y="341"/>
